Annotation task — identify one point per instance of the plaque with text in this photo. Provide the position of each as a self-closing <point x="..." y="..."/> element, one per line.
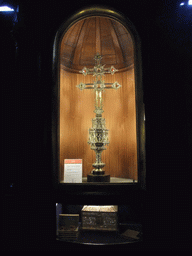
<point x="73" y="171"/>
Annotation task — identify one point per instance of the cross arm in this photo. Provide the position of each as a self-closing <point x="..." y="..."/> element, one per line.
<point x="83" y="86"/>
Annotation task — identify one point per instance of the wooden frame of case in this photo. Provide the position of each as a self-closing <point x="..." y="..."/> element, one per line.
<point x="140" y="112"/>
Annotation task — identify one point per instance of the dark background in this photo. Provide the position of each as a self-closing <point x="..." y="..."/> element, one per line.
<point x="27" y="36"/>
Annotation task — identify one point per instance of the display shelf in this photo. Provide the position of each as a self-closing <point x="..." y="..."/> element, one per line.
<point x="95" y="191"/>
<point x="98" y="190"/>
<point x="127" y="233"/>
<point x="113" y="180"/>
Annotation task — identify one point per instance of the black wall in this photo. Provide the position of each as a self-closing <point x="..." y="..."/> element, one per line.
<point x="165" y="30"/>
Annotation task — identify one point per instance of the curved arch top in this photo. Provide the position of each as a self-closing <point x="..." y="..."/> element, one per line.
<point x="96" y="10"/>
<point x="92" y="11"/>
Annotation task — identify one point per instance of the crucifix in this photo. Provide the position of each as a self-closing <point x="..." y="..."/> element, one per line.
<point x="98" y="134"/>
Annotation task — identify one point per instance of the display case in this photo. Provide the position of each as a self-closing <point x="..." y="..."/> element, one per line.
<point x="98" y="32"/>
<point x="104" y="224"/>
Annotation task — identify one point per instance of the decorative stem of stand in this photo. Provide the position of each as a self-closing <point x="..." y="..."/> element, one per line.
<point x="98" y="164"/>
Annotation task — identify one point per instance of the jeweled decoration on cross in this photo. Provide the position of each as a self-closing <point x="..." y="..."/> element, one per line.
<point x="98" y="134"/>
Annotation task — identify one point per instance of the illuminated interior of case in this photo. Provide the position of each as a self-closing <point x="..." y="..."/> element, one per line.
<point x="78" y="48"/>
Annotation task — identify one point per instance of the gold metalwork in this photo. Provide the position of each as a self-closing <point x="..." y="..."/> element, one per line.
<point x="98" y="134"/>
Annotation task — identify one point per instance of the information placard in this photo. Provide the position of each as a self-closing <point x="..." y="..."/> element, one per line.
<point x="72" y="170"/>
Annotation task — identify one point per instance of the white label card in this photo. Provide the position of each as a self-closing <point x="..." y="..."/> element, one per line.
<point x="72" y="170"/>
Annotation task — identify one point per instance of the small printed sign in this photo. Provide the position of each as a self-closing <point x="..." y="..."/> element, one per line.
<point x="72" y="170"/>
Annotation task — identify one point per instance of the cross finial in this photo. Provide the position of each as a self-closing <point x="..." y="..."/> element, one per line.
<point x="97" y="59"/>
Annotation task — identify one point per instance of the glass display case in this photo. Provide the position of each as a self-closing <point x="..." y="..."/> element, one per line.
<point x="97" y="224"/>
<point x="119" y="114"/>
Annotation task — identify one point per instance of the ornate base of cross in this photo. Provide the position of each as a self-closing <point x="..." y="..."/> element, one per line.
<point x="98" y="178"/>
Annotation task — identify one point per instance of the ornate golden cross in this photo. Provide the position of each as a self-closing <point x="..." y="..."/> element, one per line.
<point x="98" y="134"/>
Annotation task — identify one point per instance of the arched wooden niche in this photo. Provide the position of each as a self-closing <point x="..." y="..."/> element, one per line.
<point x="103" y="31"/>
